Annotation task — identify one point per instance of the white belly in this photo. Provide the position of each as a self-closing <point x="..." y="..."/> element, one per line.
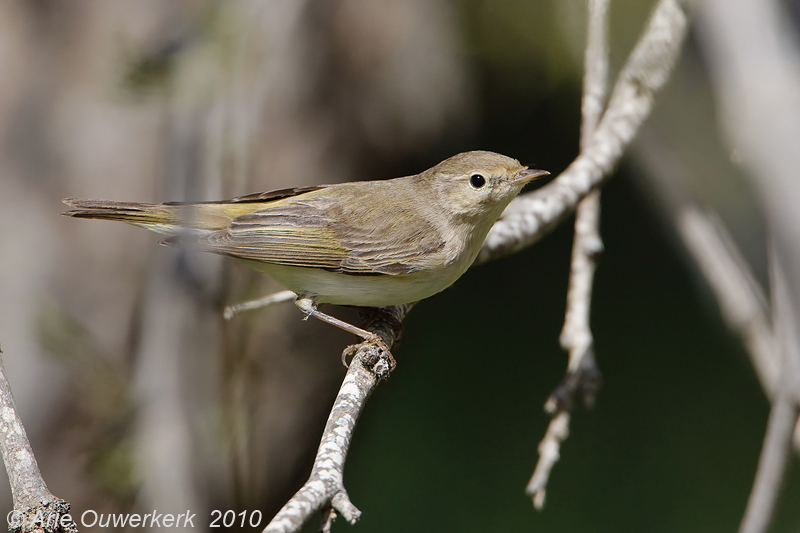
<point x="368" y="291"/>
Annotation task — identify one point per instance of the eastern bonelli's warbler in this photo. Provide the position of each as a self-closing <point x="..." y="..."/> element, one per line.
<point x="368" y="243"/>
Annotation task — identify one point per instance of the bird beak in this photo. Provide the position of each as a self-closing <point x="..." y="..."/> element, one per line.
<point x="528" y="174"/>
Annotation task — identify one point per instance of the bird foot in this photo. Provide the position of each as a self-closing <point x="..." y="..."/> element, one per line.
<point x="377" y="357"/>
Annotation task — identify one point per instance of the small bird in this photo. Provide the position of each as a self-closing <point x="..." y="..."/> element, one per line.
<point x="368" y="243"/>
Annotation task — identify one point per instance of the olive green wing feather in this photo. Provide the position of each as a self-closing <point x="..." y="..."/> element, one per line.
<point x="314" y="233"/>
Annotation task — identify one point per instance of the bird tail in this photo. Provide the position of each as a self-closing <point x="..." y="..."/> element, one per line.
<point x="166" y="219"/>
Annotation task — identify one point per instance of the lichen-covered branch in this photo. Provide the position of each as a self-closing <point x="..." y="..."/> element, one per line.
<point x="35" y="508"/>
<point x="325" y="485"/>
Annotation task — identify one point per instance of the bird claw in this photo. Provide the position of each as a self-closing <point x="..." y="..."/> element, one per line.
<point x="380" y="359"/>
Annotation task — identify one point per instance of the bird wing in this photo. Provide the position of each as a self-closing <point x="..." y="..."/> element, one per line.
<point x="258" y="197"/>
<point x="314" y="233"/>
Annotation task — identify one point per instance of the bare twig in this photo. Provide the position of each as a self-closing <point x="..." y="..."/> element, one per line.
<point x="576" y="336"/>
<point x="549" y="454"/>
<point x="325" y="485"/>
<point x="531" y="216"/>
<point x="35" y="508"/>
<point x="265" y="301"/>
<point x="772" y="465"/>
<point x="785" y="413"/>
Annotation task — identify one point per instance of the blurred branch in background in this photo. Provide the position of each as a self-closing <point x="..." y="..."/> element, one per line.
<point x="758" y="85"/>
<point x="742" y="304"/>
<point x="760" y="120"/>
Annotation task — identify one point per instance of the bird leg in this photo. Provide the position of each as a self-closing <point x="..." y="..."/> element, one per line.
<point x="307" y="304"/>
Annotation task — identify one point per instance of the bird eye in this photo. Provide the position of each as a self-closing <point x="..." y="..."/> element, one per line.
<point x="477" y="181"/>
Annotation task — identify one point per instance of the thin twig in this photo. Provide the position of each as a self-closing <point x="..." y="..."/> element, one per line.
<point x="785" y="413"/>
<point x="772" y="465"/>
<point x="531" y="216"/>
<point x="576" y="335"/>
<point x="325" y="485"/>
<point x="549" y="454"/>
<point x="35" y="507"/>
<point x="265" y="301"/>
